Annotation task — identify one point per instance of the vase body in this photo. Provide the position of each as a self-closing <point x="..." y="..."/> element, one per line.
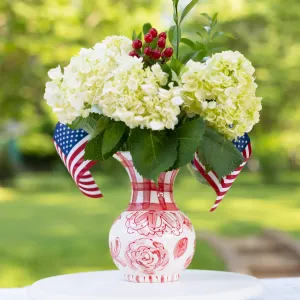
<point x="152" y="241"/>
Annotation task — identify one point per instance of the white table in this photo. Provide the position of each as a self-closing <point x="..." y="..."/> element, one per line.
<point x="276" y="289"/>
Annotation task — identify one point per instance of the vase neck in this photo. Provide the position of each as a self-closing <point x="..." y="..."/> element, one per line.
<point x="146" y="194"/>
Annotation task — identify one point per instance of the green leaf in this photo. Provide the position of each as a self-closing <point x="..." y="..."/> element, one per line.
<point x="205" y="15"/>
<point x="112" y="136"/>
<point x="203" y="160"/>
<point x="76" y="124"/>
<point x="214" y="20"/>
<point x="195" y="55"/>
<point x="93" y="149"/>
<point x="218" y="49"/>
<point x="207" y="28"/>
<point x="200" y="56"/>
<point x="153" y="44"/>
<point x="200" y="46"/>
<point x="189" y="43"/>
<point x="174" y="77"/>
<point x="192" y="55"/>
<point x="88" y="124"/>
<point x="188" y="56"/>
<point x="146" y="28"/>
<point x="189" y="134"/>
<point x="187" y="9"/>
<point x="101" y="126"/>
<point x="202" y="34"/>
<point x="176" y="65"/>
<point x="139" y="37"/>
<point x="166" y="68"/>
<point x="204" y="59"/>
<point x="230" y="35"/>
<point x="172" y="35"/>
<point x="153" y="152"/>
<point x="134" y="35"/>
<point x="174" y="39"/>
<point x="220" y="153"/>
<point x="175" y="11"/>
<point x="220" y="33"/>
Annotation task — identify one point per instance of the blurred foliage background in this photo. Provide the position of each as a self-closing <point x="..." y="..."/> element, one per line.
<point x="37" y="35"/>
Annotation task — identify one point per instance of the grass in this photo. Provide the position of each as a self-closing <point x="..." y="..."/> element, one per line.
<point x="47" y="227"/>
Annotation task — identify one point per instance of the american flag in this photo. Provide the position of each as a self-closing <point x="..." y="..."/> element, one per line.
<point x="70" y="145"/>
<point x="221" y="187"/>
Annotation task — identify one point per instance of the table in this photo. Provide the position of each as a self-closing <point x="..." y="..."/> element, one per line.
<point x="276" y="289"/>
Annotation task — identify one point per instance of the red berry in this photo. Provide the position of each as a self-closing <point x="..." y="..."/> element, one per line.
<point x="161" y="43"/>
<point x="148" y="38"/>
<point x="148" y="51"/>
<point x="168" y="52"/>
<point x="163" y="35"/>
<point x="133" y="54"/>
<point x="137" y="44"/>
<point x="156" y="54"/>
<point x="153" y="32"/>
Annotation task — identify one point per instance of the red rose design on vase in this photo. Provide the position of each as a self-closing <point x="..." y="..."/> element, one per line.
<point x="115" y="252"/>
<point x="155" y="222"/>
<point x="180" y="248"/>
<point x="147" y="256"/>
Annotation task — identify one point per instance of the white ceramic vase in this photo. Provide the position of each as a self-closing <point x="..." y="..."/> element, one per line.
<point x="152" y="241"/>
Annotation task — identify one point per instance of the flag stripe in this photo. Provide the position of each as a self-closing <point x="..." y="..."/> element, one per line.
<point x="70" y="145"/>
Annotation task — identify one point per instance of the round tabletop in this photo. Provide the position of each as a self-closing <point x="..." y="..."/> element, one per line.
<point x="194" y="284"/>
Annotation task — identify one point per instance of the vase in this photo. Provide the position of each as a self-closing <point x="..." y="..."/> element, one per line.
<point x="152" y="241"/>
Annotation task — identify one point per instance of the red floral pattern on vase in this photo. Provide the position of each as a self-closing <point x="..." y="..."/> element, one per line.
<point x="186" y="221"/>
<point x="180" y="248"/>
<point x="147" y="256"/>
<point x="115" y="252"/>
<point x="155" y="222"/>
<point x="188" y="261"/>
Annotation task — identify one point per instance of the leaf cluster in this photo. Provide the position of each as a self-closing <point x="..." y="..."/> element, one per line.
<point x="199" y="50"/>
<point x="106" y="135"/>
<point x="154" y="152"/>
<point x="208" y="33"/>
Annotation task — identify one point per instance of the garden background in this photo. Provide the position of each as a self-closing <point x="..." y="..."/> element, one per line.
<point x="46" y="226"/>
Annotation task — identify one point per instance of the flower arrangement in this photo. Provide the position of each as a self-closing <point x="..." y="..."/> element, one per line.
<point x="147" y="96"/>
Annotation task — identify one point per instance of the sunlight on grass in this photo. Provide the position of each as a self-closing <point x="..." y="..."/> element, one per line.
<point x="6" y="194"/>
<point x="14" y="275"/>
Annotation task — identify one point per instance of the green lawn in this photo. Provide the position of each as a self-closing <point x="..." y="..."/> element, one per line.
<point x="47" y="227"/>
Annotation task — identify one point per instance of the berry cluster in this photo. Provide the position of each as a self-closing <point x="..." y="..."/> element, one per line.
<point x="154" y="47"/>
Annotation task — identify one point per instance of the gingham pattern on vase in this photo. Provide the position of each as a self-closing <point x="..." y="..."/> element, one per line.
<point x="146" y="194"/>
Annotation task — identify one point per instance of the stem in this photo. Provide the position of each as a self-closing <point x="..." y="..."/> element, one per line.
<point x="177" y="46"/>
<point x="177" y="32"/>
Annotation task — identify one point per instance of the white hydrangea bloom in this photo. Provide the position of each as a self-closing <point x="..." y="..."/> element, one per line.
<point x="74" y="92"/>
<point x="106" y="79"/>
<point x="135" y="96"/>
<point x="222" y="91"/>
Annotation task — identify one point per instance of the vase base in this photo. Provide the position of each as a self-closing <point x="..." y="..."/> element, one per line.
<point x="151" y="279"/>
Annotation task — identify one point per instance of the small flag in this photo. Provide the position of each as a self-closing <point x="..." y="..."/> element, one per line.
<point x="70" y="145"/>
<point x="221" y="187"/>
